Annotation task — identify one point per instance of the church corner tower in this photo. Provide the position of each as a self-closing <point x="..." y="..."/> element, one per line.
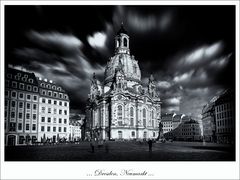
<point x="120" y="107"/>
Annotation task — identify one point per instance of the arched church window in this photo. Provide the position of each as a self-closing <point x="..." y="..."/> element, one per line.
<point x="120" y="114"/>
<point x="144" y="117"/>
<point x="135" y="69"/>
<point x="125" y="42"/>
<point x="152" y="118"/>
<point x="117" y="43"/>
<point x="131" y="116"/>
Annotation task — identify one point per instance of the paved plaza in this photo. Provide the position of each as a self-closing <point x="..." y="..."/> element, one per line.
<point x="123" y="151"/>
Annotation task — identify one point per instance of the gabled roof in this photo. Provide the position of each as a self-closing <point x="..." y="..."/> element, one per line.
<point x="177" y="118"/>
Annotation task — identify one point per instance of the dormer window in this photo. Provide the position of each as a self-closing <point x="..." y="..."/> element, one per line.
<point x="24" y="79"/>
<point x="30" y="80"/>
<point x="9" y="76"/>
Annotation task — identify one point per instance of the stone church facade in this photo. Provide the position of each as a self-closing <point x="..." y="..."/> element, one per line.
<point x="121" y="107"/>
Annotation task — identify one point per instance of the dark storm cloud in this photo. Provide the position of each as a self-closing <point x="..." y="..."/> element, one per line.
<point x="68" y="67"/>
<point x="190" y="53"/>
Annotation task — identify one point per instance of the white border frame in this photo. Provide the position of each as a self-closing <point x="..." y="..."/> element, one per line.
<point x="80" y="170"/>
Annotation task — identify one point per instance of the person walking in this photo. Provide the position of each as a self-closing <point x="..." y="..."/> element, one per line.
<point x="106" y="146"/>
<point x="150" y="145"/>
<point x="92" y="143"/>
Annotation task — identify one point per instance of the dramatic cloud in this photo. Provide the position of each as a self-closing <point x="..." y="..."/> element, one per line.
<point x="97" y="40"/>
<point x="190" y="53"/>
<point x="72" y="70"/>
<point x="163" y="84"/>
<point x="201" y="55"/>
<point x="149" y="22"/>
<point x="55" y="39"/>
<point x="186" y="77"/>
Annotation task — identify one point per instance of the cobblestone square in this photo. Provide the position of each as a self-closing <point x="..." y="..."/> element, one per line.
<point x="123" y="151"/>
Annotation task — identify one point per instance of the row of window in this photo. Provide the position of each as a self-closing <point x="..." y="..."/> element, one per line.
<point x="167" y="125"/>
<point x="120" y="116"/>
<point x="10" y="76"/>
<point x="54" y="87"/>
<point x="225" y="122"/>
<point x="167" y="122"/>
<point x="120" y="134"/>
<point x="55" y="102"/>
<point x="223" y="107"/>
<point x="53" y="94"/>
<point x="49" y="111"/>
<point x="21" y="105"/>
<point x="20" y="115"/>
<point x="224" y="114"/>
<point x="22" y="86"/>
<point x="21" y="95"/>
<point x="225" y="130"/>
<point x="12" y="127"/>
<point x="189" y="134"/>
<point x="49" y="120"/>
<point x="191" y="129"/>
<point x="54" y="129"/>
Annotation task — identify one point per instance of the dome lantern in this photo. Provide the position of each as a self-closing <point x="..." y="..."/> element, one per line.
<point x="122" y="41"/>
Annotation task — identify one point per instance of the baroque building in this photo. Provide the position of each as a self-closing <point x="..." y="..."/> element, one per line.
<point x="218" y="117"/>
<point x="35" y="109"/>
<point x="21" y="107"/>
<point x="121" y="107"/>
<point x="53" y="121"/>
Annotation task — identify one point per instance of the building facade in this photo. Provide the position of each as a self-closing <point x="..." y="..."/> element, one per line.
<point x="75" y="133"/>
<point x="218" y="118"/>
<point x="225" y="117"/>
<point x="21" y="107"/>
<point x="167" y="122"/>
<point x="187" y="131"/>
<point x="209" y="122"/>
<point x="53" y="121"/>
<point x="121" y="107"/>
<point x="35" y="109"/>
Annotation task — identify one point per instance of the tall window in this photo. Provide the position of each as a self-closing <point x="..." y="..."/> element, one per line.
<point x="120" y="134"/>
<point x="152" y="118"/>
<point x="120" y="115"/>
<point x="43" y="109"/>
<point x="34" y="106"/>
<point x="125" y="42"/>
<point x="13" y="104"/>
<point x="144" y="117"/>
<point x="12" y="126"/>
<point x="131" y="116"/>
<point x="19" y="126"/>
<point x="134" y="69"/>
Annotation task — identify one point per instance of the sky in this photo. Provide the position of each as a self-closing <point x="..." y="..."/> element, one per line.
<point x="190" y="50"/>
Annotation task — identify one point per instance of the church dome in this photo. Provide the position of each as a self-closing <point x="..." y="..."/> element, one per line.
<point x="129" y="65"/>
<point x="123" y="59"/>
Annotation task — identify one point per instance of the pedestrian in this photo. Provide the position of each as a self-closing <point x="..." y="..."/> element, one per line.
<point x="92" y="145"/>
<point x="150" y="145"/>
<point x="106" y="147"/>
